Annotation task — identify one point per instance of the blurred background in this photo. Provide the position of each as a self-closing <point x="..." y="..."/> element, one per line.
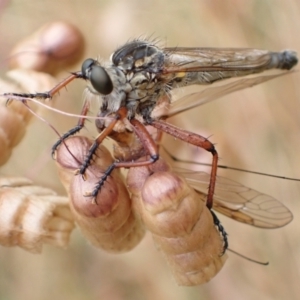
<point x="256" y="129"/>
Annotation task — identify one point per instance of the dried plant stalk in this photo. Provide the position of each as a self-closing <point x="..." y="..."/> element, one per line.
<point x="15" y="116"/>
<point x="107" y="221"/>
<point x="181" y="224"/>
<point x="31" y="216"/>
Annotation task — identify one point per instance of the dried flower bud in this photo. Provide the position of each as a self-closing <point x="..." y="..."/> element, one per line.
<point x="50" y="49"/>
<point x="15" y="116"/>
<point x="107" y="221"/>
<point x="31" y="216"/>
<point x="181" y="224"/>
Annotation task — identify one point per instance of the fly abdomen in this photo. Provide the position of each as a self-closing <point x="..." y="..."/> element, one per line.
<point x="284" y="60"/>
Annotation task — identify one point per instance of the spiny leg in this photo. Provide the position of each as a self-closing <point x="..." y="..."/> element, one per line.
<point x="48" y="94"/>
<point x="197" y="140"/>
<point x="77" y="128"/>
<point x="120" y="114"/>
<point x="146" y="140"/>
<point x="221" y="230"/>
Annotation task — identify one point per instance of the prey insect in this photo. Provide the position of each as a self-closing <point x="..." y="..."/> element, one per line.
<point x="135" y="90"/>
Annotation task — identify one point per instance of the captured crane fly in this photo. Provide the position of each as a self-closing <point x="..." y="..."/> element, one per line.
<point x="135" y="91"/>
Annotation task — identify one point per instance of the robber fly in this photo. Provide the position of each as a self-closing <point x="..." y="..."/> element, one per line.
<point x="141" y="75"/>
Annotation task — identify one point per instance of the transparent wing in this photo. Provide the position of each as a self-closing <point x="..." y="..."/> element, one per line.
<point x="239" y="202"/>
<point x="198" y="66"/>
<point x="216" y="91"/>
<point x="199" y="59"/>
<point x="222" y="59"/>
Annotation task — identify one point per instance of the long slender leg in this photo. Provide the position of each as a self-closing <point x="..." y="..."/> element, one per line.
<point x="143" y="136"/>
<point x="197" y="140"/>
<point x="49" y="94"/>
<point x="77" y="128"/>
<point x="119" y="115"/>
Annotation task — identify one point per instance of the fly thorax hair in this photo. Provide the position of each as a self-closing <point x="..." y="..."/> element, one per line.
<point x="142" y="86"/>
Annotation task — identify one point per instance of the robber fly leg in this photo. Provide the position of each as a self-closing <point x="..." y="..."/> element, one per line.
<point x="96" y="144"/>
<point x="197" y="140"/>
<point x="149" y="145"/>
<point x="77" y="128"/>
<point x="120" y="114"/>
<point x="43" y="95"/>
<point x="221" y="230"/>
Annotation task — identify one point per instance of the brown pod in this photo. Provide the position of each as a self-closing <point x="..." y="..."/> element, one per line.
<point x="181" y="224"/>
<point x="31" y="216"/>
<point x="14" y="115"/>
<point x="107" y="221"/>
<point x="50" y="49"/>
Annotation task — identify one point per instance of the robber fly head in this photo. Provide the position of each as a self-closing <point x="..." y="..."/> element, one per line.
<point x="134" y="57"/>
<point x="109" y="82"/>
<point x="130" y="80"/>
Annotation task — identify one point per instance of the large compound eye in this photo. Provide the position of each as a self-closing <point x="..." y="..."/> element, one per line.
<point x="97" y="75"/>
<point x="86" y="66"/>
<point x="100" y="80"/>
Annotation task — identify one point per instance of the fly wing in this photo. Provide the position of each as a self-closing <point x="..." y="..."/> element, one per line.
<point x="239" y="202"/>
<point x="214" y="92"/>
<point x="222" y="59"/>
<point x="198" y="66"/>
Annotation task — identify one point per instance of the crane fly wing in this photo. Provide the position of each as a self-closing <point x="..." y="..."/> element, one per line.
<point x="216" y="91"/>
<point x="239" y="202"/>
